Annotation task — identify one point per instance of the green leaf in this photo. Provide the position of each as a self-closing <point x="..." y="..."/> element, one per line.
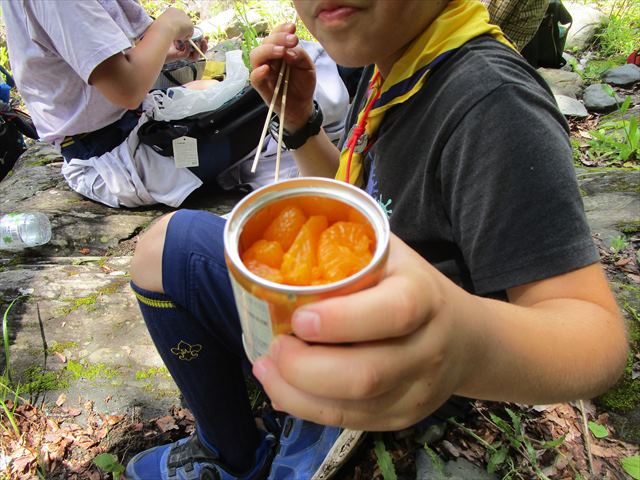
<point x="625" y="105"/>
<point x="631" y="465"/>
<point x="501" y="424"/>
<point x="554" y="443"/>
<point x="608" y="90"/>
<point x="496" y="460"/>
<point x="515" y="420"/>
<point x="436" y="461"/>
<point x="385" y="462"/>
<point x="599" y="431"/>
<point x="108" y="462"/>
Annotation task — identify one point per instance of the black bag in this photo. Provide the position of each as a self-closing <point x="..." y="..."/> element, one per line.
<point x="237" y="124"/>
<point x="178" y="73"/>
<point x="14" y="125"/>
<point x="546" y="47"/>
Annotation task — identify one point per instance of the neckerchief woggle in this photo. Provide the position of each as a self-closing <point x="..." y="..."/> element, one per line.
<point x="459" y="22"/>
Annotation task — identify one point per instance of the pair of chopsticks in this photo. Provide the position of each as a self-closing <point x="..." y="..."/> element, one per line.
<point x="283" y="74"/>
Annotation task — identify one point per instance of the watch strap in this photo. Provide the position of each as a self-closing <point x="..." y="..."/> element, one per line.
<point x="298" y="138"/>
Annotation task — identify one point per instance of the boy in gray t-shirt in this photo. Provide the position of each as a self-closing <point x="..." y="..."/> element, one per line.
<point x="492" y="289"/>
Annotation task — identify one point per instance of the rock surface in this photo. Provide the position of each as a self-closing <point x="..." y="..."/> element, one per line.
<point x="561" y="82"/>
<point x="82" y="307"/>
<point x="570" y="107"/>
<point x="624" y="76"/>
<point x="587" y="20"/>
<point x="597" y="99"/>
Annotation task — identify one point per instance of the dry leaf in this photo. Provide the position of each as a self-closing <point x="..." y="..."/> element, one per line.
<point x="60" y="357"/>
<point x="61" y="399"/>
<point x="634" y="278"/>
<point x="166" y="423"/>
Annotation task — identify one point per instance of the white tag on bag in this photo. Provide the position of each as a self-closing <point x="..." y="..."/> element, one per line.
<point x="185" y="152"/>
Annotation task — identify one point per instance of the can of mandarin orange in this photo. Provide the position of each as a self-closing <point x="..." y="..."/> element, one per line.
<point x="296" y="242"/>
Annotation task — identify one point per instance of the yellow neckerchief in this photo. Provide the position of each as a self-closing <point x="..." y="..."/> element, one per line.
<point x="459" y="22"/>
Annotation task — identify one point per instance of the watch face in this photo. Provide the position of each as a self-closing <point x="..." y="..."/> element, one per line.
<point x="361" y="142"/>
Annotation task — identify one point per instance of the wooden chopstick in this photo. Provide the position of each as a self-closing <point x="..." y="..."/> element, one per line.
<point x="283" y="68"/>
<point x="283" y="108"/>
<point x="196" y="48"/>
<point x="276" y="91"/>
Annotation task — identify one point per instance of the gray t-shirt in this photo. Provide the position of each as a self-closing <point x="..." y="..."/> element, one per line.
<point x="54" y="47"/>
<point x="475" y="172"/>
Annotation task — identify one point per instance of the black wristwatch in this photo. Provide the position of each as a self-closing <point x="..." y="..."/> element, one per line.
<point x="297" y="139"/>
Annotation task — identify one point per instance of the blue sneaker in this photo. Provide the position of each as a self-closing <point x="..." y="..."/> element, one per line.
<point x="309" y="451"/>
<point x="189" y="459"/>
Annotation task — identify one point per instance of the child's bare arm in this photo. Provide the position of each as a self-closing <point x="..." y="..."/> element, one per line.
<point x="417" y="338"/>
<point x="126" y="78"/>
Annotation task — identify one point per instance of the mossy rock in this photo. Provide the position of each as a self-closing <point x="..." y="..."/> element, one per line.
<point x="622" y="401"/>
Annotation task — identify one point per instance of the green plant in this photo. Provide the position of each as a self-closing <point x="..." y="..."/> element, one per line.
<point x="249" y="33"/>
<point x="108" y="462"/>
<point x="5" y="337"/>
<point x="598" y="431"/>
<point x="594" y="69"/>
<point x="436" y="461"/>
<point x="622" y="31"/>
<point x="631" y="465"/>
<point x="617" y="140"/>
<point x="155" y="8"/>
<point x="4" y="58"/>
<point x="8" y="405"/>
<point x="385" y="462"/>
<point x="512" y="439"/>
<point x="618" y="244"/>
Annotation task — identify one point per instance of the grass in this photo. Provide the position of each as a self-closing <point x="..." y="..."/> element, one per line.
<point x="512" y="443"/>
<point x="617" y="141"/>
<point x="384" y="459"/>
<point x="7" y="404"/>
<point x="620" y="35"/>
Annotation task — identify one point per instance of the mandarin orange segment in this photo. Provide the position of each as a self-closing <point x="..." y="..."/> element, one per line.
<point x="284" y="228"/>
<point x="344" y="249"/>
<point x="264" y="251"/>
<point x="356" y="216"/>
<point x="301" y="258"/>
<point x="334" y="210"/>
<point x="264" y="271"/>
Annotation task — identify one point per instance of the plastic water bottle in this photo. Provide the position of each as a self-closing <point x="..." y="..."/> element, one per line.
<point x="21" y="230"/>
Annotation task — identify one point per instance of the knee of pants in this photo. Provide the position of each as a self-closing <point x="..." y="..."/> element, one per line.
<point x="146" y="264"/>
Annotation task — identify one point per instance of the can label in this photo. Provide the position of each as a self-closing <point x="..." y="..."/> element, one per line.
<point x="255" y="319"/>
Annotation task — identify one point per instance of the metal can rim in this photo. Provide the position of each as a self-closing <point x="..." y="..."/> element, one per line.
<point x="305" y="186"/>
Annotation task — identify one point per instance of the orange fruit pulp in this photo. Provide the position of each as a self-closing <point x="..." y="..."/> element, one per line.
<point x="307" y="241"/>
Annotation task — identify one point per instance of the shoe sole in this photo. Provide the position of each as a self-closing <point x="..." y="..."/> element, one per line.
<point x="342" y="449"/>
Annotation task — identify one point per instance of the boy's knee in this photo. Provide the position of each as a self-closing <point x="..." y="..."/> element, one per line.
<point x="146" y="265"/>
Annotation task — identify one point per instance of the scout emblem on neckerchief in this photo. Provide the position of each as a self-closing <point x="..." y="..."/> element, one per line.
<point x="459" y="22"/>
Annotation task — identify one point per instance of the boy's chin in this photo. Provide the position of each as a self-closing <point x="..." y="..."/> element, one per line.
<point x="342" y="56"/>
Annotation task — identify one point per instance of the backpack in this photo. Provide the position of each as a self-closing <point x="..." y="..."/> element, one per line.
<point x="14" y="126"/>
<point x="237" y="123"/>
<point x="546" y="47"/>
